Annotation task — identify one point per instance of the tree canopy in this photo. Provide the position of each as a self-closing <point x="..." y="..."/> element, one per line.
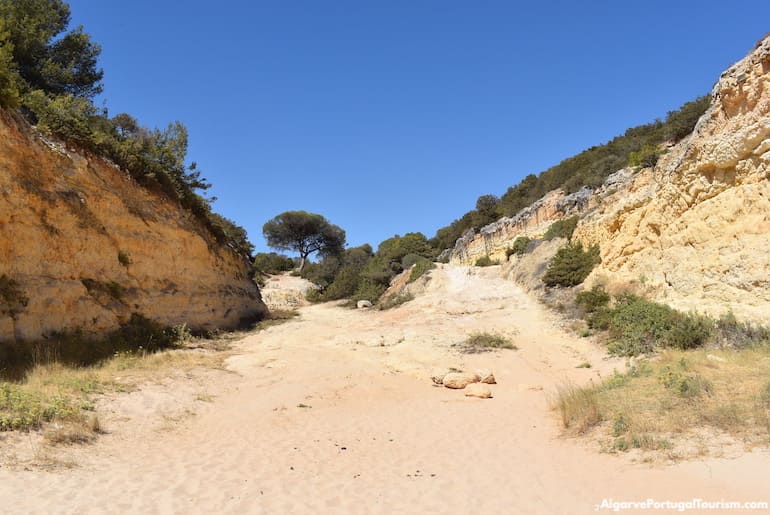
<point x="51" y="73"/>
<point x="304" y="233"/>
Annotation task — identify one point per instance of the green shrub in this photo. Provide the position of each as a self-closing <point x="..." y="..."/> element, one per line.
<point x="421" y="267"/>
<point x="273" y="263"/>
<point x="684" y="384"/>
<point x="593" y="300"/>
<point x="345" y="284"/>
<point x="124" y="258"/>
<point x="647" y="157"/>
<point x="519" y="246"/>
<point x="485" y="261"/>
<point x="369" y="290"/>
<point x="571" y="265"/>
<point x="638" y="326"/>
<point x="483" y="342"/>
<point x="410" y="259"/>
<point x="561" y="228"/>
<point x="729" y="330"/>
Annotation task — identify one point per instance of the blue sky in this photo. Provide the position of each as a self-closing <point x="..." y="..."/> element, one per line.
<point x="390" y="117"/>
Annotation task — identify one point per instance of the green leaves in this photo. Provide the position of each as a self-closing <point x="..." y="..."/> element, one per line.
<point x="304" y="233"/>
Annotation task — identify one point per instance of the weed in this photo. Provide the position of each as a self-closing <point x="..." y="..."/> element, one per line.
<point x="519" y="247"/>
<point x="124" y="258"/>
<point x="483" y="342"/>
<point x="561" y="228"/>
<point x="579" y="408"/>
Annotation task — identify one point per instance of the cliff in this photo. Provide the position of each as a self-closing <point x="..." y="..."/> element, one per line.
<point x="690" y="232"/>
<point x="88" y="247"/>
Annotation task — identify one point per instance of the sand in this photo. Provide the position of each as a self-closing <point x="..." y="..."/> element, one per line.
<point x="335" y="413"/>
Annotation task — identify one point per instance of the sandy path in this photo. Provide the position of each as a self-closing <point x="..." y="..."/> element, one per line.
<point x="375" y="436"/>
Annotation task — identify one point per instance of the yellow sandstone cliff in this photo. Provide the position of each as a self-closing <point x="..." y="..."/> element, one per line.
<point x="693" y="232"/>
<point x="88" y="247"/>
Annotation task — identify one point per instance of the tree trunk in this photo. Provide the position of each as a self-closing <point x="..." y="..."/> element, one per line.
<point x="302" y="258"/>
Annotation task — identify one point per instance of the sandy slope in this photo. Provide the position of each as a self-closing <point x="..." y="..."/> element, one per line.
<point x="334" y="413"/>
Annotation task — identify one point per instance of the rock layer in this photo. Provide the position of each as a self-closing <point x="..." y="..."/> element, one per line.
<point x="88" y="247"/>
<point x="691" y="232"/>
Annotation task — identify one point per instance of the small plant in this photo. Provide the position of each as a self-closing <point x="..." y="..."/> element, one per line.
<point x="561" y="228"/>
<point x="420" y="268"/>
<point x="685" y="385"/>
<point x="483" y="342"/>
<point x="519" y="247"/>
<point x="485" y="261"/>
<point x="579" y="407"/>
<point x="571" y="265"/>
<point x="124" y="258"/>
<point x="393" y="301"/>
<point x="584" y="364"/>
<point x="593" y="300"/>
<point x="619" y="425"/>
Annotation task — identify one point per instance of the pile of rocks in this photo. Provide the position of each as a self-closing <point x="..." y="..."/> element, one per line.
<point x="474" y="384"/>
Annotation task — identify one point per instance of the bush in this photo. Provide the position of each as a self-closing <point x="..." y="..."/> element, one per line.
<point x="369" y="290"/>
<point x="485" y="261"/>
<point x="519" y="247"/>
<point x="561" y="228"/>
<point x="647" y="157"/>
<point x="272" y="263"/>
<point x="571" y="265"/>
<point x="483" y="342"/>
<point x="421" y="267"/>
<point x="593" y="300"/>
<point x="638" y="326"/>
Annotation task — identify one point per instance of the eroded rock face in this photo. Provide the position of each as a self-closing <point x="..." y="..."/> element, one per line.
<point x="693" y="232"/>
<point x="88" y="247"/>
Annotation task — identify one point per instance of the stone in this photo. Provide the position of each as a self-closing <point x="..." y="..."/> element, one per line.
<point x="479" y="390"/>
<point x="486" y="376"/>
<point x="438" y="374"/>
<point x="363" y="304"/>
<point x="459" y="380"/>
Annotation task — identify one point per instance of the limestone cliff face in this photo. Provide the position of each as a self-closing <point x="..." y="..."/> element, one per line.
<point x="494" y="239"/>
<point x="694" y="231"/>
<point x="88" y="247"/>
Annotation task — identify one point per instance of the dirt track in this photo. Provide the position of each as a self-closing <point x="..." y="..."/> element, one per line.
<point x="335" y="413"/>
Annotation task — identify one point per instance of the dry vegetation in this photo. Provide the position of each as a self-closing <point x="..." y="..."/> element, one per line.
<point x="676" y="403"/>
<point x="485" y="342"/>
<point x="58" y="399"/>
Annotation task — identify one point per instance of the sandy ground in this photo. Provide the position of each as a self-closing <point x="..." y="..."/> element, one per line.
<point x="335" y="413"/>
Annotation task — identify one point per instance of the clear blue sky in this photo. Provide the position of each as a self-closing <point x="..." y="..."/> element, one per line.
<point x="393" y="116"/>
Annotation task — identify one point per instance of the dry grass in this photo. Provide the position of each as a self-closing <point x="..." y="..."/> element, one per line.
<point x="484" y="342"/>
<point x="675" y="399"/>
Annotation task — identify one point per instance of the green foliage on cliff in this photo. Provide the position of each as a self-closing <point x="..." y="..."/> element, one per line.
<point x="51" y="73"/>
<point x="571" y="265"/>
<point x="638" y="146"/>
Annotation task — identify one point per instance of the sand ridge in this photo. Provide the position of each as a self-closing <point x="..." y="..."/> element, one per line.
<point x="335" y="413"/>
